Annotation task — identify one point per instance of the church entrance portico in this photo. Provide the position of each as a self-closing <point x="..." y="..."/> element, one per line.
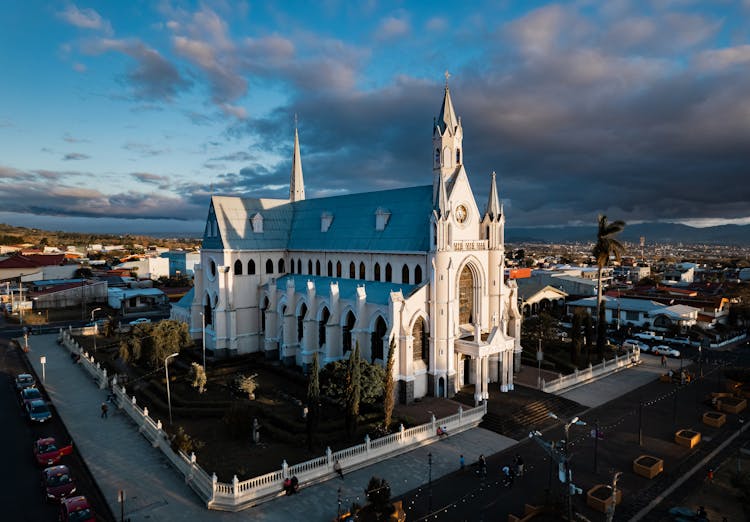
<point x="476" y="352"/>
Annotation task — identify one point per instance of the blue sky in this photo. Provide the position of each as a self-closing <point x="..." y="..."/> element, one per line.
<point x="125" y="116"/>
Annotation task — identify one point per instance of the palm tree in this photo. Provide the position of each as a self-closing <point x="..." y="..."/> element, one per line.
<point x="605" y="247"/>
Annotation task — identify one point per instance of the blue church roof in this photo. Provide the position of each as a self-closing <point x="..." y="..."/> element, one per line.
<point x="297" y="225"/>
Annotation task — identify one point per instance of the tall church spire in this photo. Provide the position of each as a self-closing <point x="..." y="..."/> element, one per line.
<point x="447" y="138"/>
<point x="447" y="120"/>
<point x="296" y="182"/>
<point x="494" y="210"/>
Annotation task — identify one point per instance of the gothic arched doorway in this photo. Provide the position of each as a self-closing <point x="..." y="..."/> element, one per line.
<point x="466" y="299"/>
<point x="376" y="343"/>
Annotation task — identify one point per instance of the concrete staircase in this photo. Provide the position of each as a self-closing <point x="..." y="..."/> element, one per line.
<point x="529" y="410"/>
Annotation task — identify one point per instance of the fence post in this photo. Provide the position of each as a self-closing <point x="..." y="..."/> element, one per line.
<point x="433" y="423"/>
<point x="367" y="443"/>
<point x="145" y="410"/>
<point x="328" y="456"/>
<point x="460" y="415"/>
<point x="103" y="383"/>
<point x="284" y="469"/>
<point x="401" y="434"/>
<point x="236" y="486"/>
<point x="214" y="480"/>
<point x="132" y="401"/>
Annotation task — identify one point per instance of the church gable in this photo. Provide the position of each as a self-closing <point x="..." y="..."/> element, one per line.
<point x="465" y="212"/>
<point x="211" y="233"/>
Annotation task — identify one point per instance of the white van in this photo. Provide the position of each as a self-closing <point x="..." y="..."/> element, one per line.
<point x="633" y="343"/>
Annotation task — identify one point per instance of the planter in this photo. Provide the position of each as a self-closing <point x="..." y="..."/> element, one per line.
<point x="714" y="419"/>
<point x="600" y="497"/>
<point x="665" y="378"/>
<point x="687" y="438"/>
<point x="731" y="404"/>
<point x="648" y="466"/>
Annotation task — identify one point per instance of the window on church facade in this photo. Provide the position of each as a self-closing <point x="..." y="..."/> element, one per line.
<point x="346" y="332"/>
<point x="208" y="315"/>
<point x="437" y="157"/>
<point x="388" y="272"/>
<point x="378" y="339"/>
<point x="420" y="343"/>
<point x="309" y="267"/>
<point x="301" y="321"/>
<point x="338" y="268"/>
<point x="269" y="267"/>
<point x="377" y="271"/>
<point x="352" y="270"/>
<point x="324" y="316"/>
<point x="417" y="275"/>
<point x="362" y="271"/>
<point x="213" y="268"/>
<point x="263" y="314"/>
<point x="291" y="265"/>
<point x="458" y="156"/>
<point x="405" y="274"/>
<point x="238" y="267"/>
<point x="330" y="269"/>
<point x="281" y="266"/>
<point x="317" y="267"/>
<point x="466" y="297"/>
<point x="299" y="266"/>
<point x="251" y="267"/>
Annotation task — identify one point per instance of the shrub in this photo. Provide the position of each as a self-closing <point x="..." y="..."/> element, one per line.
<point x="198" y="377"/>
<point x="183" y="442"/>
<point x="247" y="384"/>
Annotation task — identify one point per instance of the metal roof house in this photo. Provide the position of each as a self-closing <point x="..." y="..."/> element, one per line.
<point x="417" y="269"/>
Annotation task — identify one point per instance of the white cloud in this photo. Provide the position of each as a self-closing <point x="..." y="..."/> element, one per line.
<point x="716" y="59"/>
<point x="86" y="18"/>
<point x="392" y="27"/>
<point x="436" y="23"/>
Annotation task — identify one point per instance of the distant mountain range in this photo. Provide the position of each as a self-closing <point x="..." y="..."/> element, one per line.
<point x="653" y="232"/>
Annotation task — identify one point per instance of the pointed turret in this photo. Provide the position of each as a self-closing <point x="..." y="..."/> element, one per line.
<point x="447" y="120"/>
<point x="494" y="209"/>
<point x="296" y="182"/>
<point x="447" y="138"/>
<point x="442" y="200"/>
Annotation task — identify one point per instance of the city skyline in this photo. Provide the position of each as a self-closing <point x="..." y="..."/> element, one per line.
<point x="126" y="117"/>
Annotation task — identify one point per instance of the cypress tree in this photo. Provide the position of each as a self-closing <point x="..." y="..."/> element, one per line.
<point x="388" y="398"/>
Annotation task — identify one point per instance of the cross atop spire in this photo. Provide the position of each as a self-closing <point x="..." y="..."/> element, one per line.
<point x="447" y="75"/>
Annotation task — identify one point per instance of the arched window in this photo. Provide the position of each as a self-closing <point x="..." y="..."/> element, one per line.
<point x="362" y="271"/>
<point x="420" y="343"/>
<point x="388" y="272"/>
<point x="208" y="315"/>
<point x="281" y="266"/>
<point x="466" y="297"/>
<point x="263" y="314"/>
<point x="352" y="270"/>
<point x="346" y="332"/>
<point x="269" y="267"/>
<point x="324" y="316"/>
<point x="238" y="267"/>
<point x="291" y="265"/>
<point x="458" y="156"/>
<point x="338" y="268"/>
<point x="309" y="267"/>
<point x="317" y="267"/>
<point x="377" y="271"/>
<point x="299" y="266"/>
<point x="378" y="340"/>
<point x="251" y="267"/>
<point x="213" y="268"/>
<point x="301" y="321"/>
<point x="405" y="274"/>
<point x="417" y="275"/>
<point x="330" y="269"/>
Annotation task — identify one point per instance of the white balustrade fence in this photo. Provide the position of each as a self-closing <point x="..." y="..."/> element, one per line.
<point x="631" y="357"/>
<point x="241" y="495"/>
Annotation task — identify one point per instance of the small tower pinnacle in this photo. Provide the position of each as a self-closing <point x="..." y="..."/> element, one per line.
<point x="494" y="209"/>
<point x="296" y="181"/>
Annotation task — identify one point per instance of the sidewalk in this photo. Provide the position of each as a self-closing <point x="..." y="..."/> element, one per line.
<point x="120" y="458"/>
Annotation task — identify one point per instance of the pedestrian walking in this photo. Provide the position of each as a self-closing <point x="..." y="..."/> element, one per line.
<point x="337" y="469"/>
<point x="105" y="409"/>
<point x="710" y="475"/>
<point x="482" y="465"/>
<point x="518" y="462"/>
<point x="461" y="461"/>
<point x="663" y="361"/>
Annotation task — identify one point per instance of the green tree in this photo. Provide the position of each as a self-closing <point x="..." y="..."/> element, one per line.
<point x="198" y="377"/>
<point x="313" y="402"/>
<point x="335" y="382"/>
<point x="378" y="494"/>
<point x="150" y="343"/>
<point x="606" y="246"/>
<point x="388" y="398"/>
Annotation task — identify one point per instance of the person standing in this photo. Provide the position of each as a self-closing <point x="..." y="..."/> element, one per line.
<point x="337" y="469"/>
<point x="663" y="361"/>
<point x="518" y="462"/>
<point x="105" y="408"/>
<point x="461" y="461"/>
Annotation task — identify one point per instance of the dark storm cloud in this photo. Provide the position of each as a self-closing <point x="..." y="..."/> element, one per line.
<point x="153" y="179"/>
<point x="74" y="156"/>
<point x="32" y="193"/>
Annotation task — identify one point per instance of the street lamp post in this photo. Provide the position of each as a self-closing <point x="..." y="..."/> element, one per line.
<point x="95" y="327"/>
<point x="611" y="509"/>
<point x="566" y="427"/>
<point x="166" y="371"/>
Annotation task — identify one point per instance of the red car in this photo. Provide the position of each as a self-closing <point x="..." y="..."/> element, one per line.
<point x="47" y="453"/>
<point x="57" y="483"/>
<point x="76" y="509"/>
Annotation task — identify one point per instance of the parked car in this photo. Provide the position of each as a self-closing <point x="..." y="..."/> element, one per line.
<point x="25" y="380"/>
<point x="663" y="349"/>
<point x="29" y="394"/>
<point x="46" y="452"/>
<point x="630" y="344"/>
<point x="57" y="483"/>
<point x="76" y="509"/>
<point x="140" y="320"/>
<point x="38" y="411"/>
<point x="650" y="336"/>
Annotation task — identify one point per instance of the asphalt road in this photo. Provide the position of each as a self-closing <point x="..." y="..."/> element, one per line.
<point x="21" y="497"/>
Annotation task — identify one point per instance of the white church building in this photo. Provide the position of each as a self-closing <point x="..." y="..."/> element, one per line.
<point x="418" y="268"/>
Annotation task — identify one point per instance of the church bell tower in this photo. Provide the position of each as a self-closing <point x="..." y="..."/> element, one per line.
<point x="447" y="139"/>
